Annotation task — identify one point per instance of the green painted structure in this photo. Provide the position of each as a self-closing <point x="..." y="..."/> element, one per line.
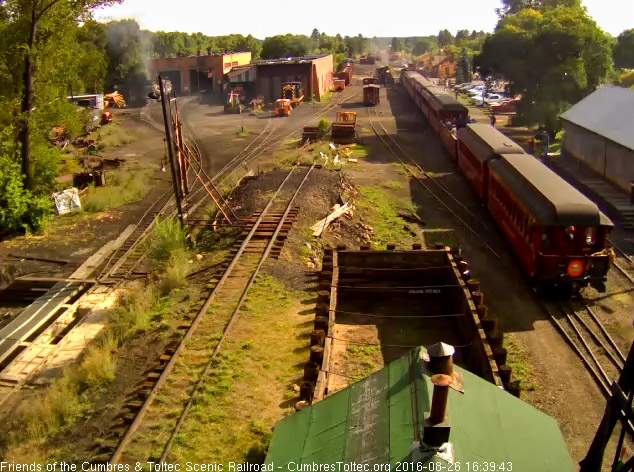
<point x="374" y="420"/>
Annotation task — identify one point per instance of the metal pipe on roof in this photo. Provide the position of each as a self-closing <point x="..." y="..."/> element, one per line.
<point x="439" y="398"/>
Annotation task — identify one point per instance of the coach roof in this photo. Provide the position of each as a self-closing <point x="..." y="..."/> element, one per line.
<point x="551" y="200"/>
<point x="486" y="142"/>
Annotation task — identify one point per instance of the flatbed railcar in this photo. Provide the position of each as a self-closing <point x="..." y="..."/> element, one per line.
<point x="558" y="235"/>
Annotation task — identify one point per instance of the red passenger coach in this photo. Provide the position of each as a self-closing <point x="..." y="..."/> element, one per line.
<point x="477" y="145"/>
<point x="558" y="234"/>
<point x="443" y="112"/>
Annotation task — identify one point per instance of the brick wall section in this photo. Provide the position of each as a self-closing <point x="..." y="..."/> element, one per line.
<point x="316" y="77"/>
<point x="322" y="76"/>
<point x="218" y="64"/>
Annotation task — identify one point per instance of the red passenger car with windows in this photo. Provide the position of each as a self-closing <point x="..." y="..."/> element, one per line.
<point x="558" y="234"/>
<point x="477" y="145"/>
<point x="443" y="112"/>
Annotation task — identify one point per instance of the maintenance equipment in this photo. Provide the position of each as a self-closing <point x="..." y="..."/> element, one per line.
<point x="293" y="91"/>
<point x="233" y="104"/>
<point x="283" y="107"/>
<point x="343" y="128"/>
<point x="340" y="85"/>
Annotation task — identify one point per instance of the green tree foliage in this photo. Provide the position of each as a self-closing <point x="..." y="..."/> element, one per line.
<point x="421" y="46"/>
<point x="21" y="209"/>
<point x="356" y="45"/>
<point x="553" y="58"/>
<point x="44" y="55"/>
<point x="286" y="45"/>
<point x="249" y="43"/>
<point x="464" y="69"/>
<point x="315" y="35"/>
<point x="512" y="7"/>
<point x="36" y="32"/>
<point x="623" y="52"/>
<point x="397" y="45"/>
<point x="173" y="44"/>
<point x="92" y="62"/>
<point x="445" y="38"/>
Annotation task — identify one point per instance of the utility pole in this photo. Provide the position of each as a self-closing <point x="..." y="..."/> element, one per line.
<point x="167" y="119"/>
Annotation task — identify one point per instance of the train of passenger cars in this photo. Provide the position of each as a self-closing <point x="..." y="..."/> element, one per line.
<point x="558" y="235"/>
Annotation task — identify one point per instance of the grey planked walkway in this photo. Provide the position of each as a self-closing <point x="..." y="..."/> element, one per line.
<point x="35" y="315"/>
<point x="613" y="200"/>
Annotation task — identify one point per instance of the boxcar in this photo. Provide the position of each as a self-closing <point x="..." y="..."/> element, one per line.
<point x="371" y="94"/>
<point x="477" y="145"/>
<point x="557" y="233"/>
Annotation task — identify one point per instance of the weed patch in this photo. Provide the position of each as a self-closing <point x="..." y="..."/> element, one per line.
<point x="361" y="361"/>
<point x="167" y="244"/>
<point x="517" y="359"/>
<point x="121" y="188"/>
<point x="392" y="184"/>
<point x="381" y="210"/>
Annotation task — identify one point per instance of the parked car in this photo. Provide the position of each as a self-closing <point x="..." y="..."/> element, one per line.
<point x="490" y="99"/>
<point x="466" y="88"/>
<point x="477" y="90"/>
<point x="506" y="106"/>
<point x="461" y="86"/>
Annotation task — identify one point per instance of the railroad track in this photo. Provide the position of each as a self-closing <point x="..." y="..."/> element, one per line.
<point x="122" y="263"/>
<point x="585" y="334"/>
<point x="623" y="262"/>
<point x="144" y="422"/>
<point x="434" y="188"/>
<point x="264" y="141"/>
<point x="268" y="138"/>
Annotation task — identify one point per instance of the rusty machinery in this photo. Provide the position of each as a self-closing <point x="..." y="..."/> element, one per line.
<point x="293" y="92"/>
<point x="343" y="129"/>
<point x="283" y="107"/>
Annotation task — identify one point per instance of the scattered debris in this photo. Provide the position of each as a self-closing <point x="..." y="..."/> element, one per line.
<point x="114" y="98"/>
<point x="319" y="227"/>
<point x="66" y="201"/>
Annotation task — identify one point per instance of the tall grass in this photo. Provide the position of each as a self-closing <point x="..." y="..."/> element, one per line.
<point x="121" y="187"/>
<point x="167" y="238"/>
<point x="66" y="400"/>
<point x="134" y="314"/>
<point x="169" y="254"/>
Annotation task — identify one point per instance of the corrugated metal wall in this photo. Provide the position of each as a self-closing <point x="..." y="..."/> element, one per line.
<point x="611" y="160"/>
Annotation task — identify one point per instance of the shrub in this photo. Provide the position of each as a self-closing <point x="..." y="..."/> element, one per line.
<point x="19" y="209"/>
<point x="322" y="128"/>
<point x="167" y="239"/>
<point x="175" y="273"/>
<point x="121" y="187"/>
<point x="135" y="313"/>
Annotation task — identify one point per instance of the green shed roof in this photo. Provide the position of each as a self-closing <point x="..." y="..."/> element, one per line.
<point x="373" y="422"/>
